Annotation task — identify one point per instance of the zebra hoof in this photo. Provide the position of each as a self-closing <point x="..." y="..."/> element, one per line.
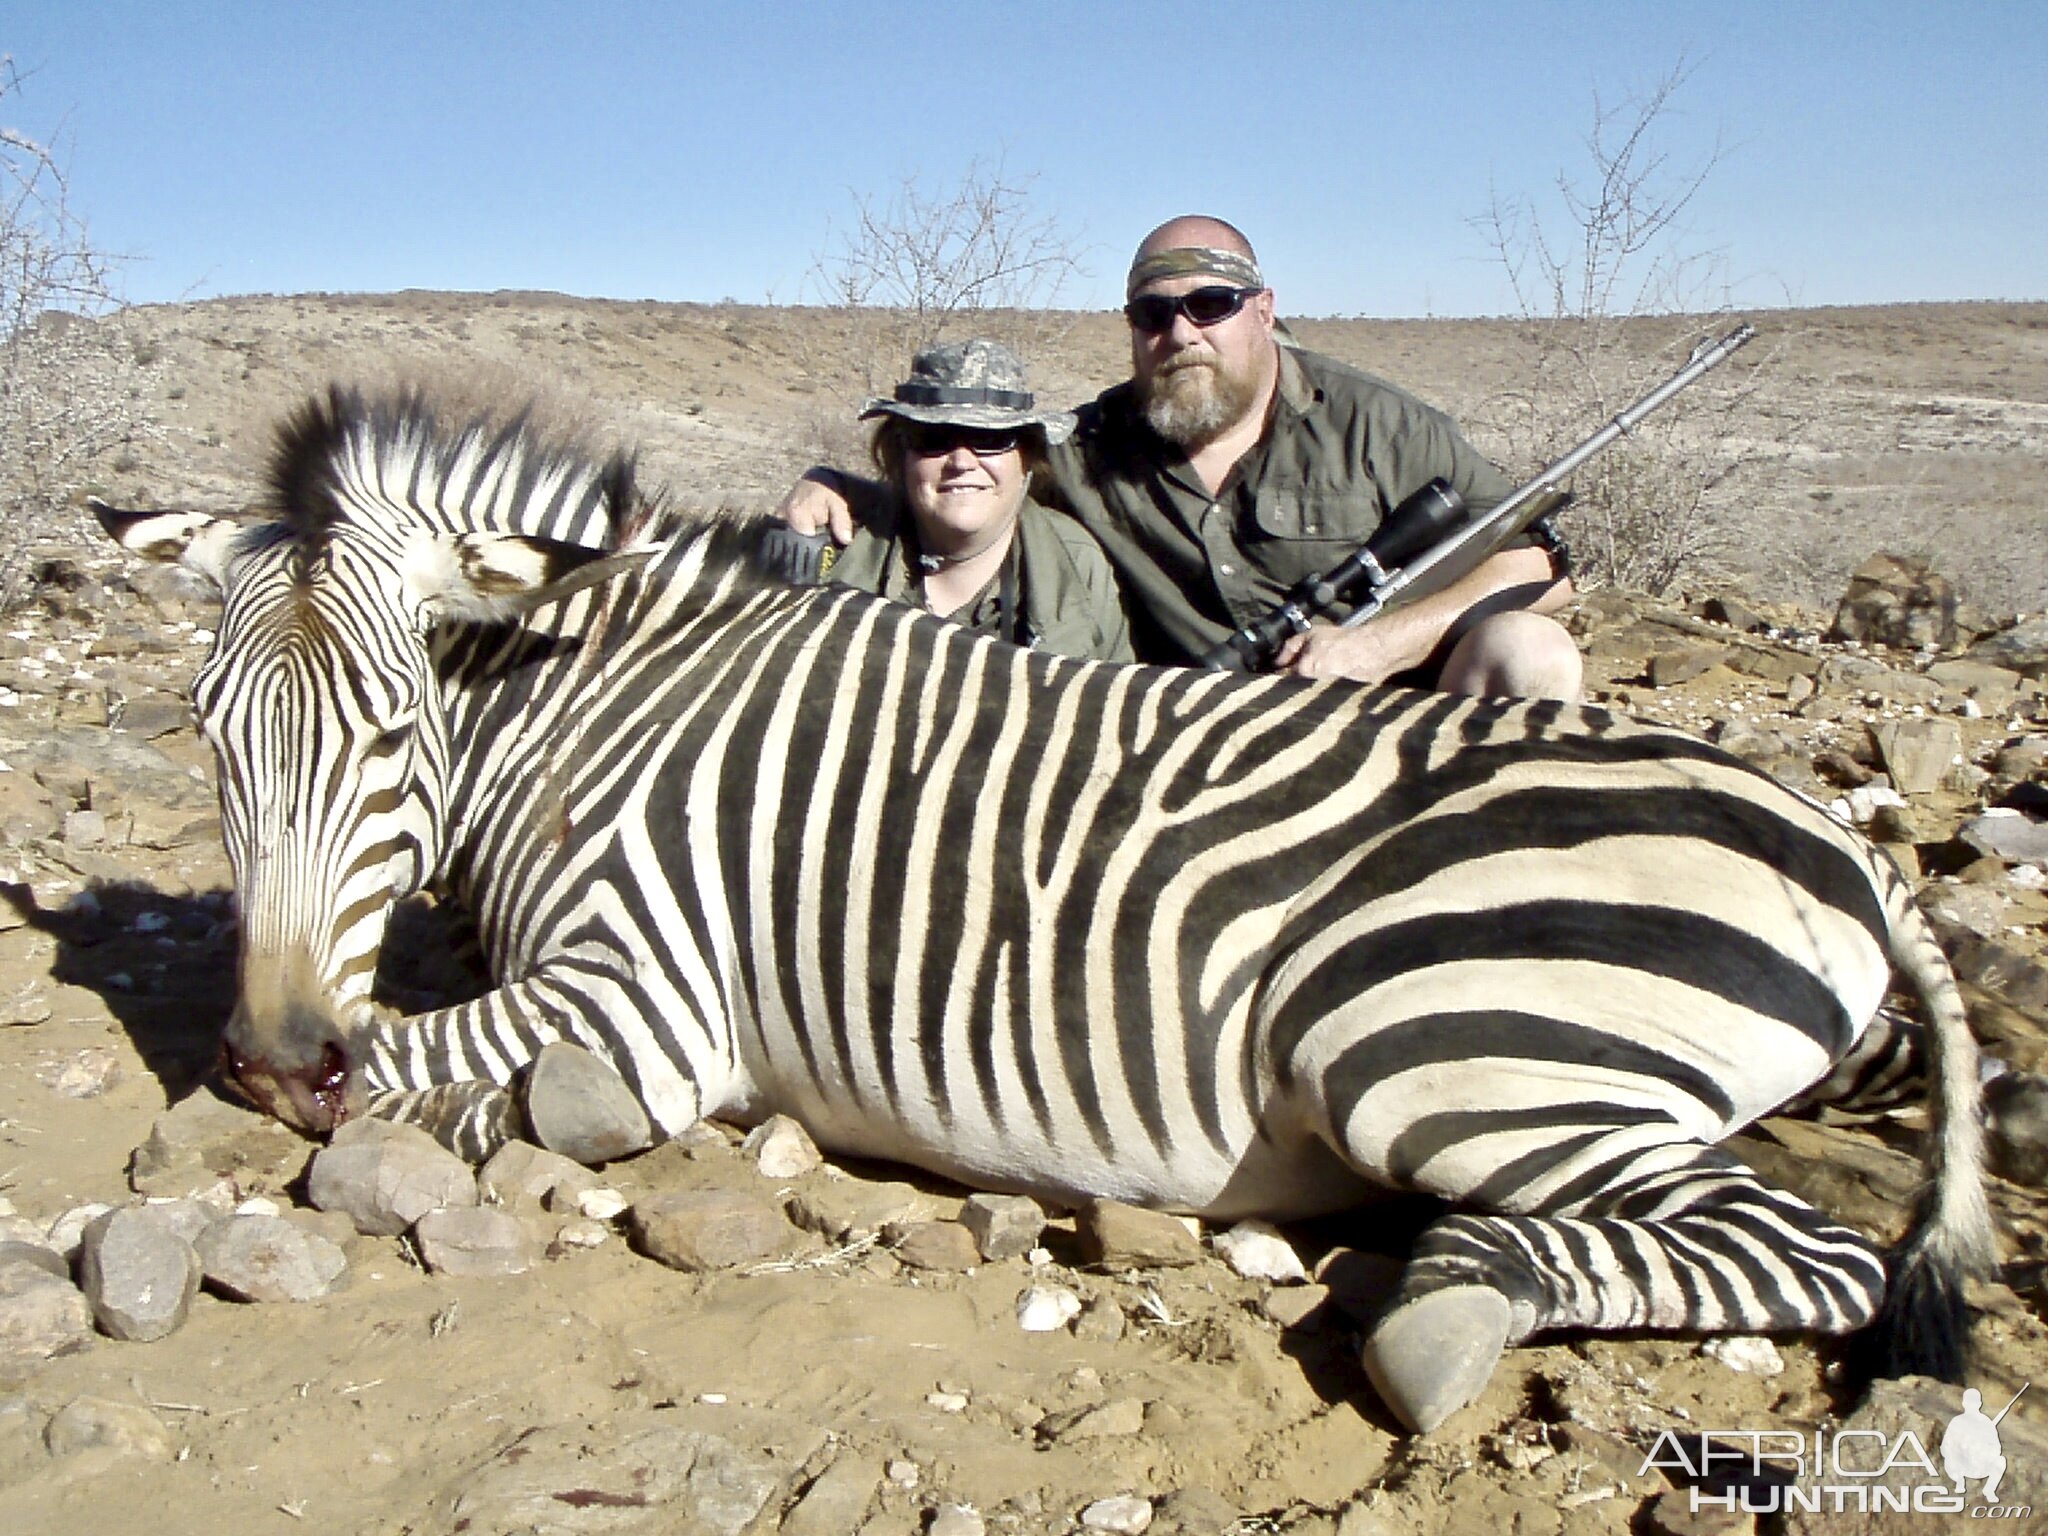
<point x="578" y="1105"/>
<point x="2016" y="1127"/>
<point x="1431" y="1356"/>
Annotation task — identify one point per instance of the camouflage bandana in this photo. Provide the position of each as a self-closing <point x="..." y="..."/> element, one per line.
<point x="1237" y="270"/>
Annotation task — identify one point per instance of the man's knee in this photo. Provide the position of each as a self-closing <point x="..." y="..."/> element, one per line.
<point x="1515" y="655"/>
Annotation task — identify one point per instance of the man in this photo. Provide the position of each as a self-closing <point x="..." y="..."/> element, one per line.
<point x="1230" y="466"/>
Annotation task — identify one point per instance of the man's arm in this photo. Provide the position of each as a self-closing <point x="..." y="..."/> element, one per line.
<point x="1404" y="637"/>
<point x="829" y="499"/>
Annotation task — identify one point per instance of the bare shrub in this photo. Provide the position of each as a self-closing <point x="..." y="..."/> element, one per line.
<point x="919" y="266"/>
<point x="1612" y="296"/>
<point x="71" y="378"/>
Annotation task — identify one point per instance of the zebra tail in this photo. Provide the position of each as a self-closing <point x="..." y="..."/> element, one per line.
<point x="1923" y="1326"/>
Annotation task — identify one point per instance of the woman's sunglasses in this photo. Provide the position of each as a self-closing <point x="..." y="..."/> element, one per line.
<point x="936" y="439"/>
<point x="1153" y="313"/>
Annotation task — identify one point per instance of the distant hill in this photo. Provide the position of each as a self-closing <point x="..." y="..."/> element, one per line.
<point x="1919" y="428"/>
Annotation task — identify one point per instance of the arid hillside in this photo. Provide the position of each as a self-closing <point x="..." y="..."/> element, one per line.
<point x="1921" y="429"/>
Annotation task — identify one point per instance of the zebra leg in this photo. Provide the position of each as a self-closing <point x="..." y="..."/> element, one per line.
<point x="1683" y="1237"/>
<point x="1887" y="1070"/>
<point x="432" y="1071"/>
<point x="472" y="1120"/>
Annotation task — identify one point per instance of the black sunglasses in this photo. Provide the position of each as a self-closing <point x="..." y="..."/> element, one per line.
<point x="1153" y="313"/>
<point x="936" y="439"/>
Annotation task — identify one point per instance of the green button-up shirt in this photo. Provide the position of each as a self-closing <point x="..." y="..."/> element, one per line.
<point x="1341" y="450"/>
<point x="1068" y="597"/>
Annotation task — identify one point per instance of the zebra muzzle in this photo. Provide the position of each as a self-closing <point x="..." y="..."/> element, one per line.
<point x="316" y="1099"/>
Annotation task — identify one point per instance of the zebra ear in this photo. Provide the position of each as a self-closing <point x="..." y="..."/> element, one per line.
<point x="492" y="576"/>
<point x="198" y="541"/>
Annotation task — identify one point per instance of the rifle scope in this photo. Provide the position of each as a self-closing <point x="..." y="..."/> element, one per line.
<point x="1416" y="524"/>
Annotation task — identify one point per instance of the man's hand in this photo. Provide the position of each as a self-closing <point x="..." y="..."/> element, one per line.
<point x="815" y="503"/>
<point x="1372" y="653"/>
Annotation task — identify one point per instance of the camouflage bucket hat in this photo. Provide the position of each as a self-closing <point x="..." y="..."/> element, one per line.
<point x="970" y="384"/>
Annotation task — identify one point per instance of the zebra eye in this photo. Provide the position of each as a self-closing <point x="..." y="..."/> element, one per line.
<point x="384" y="743"/>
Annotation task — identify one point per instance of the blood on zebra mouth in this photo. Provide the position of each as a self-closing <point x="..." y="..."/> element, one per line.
<point x="316" y="1102"/>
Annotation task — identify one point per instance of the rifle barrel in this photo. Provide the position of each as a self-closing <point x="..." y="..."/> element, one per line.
<point x="1708" y="354"/>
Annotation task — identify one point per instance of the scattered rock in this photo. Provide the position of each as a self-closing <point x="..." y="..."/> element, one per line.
<point x="267" y="1258"/>
<point x="1101" y="1321"/>
<point x="1917" y="753"/>
<point x="578" y="1232"/>
<point x="204" y="1138"/>
<point x="1004" y="1226"/>
<point x="1047" y="1308"/>
<point x="67" y="1232"/>
<point x="1681" y="664"/>
<point x="851" y="1210"/>
<point x="1897" y="601"/>
<point x="84" y="1075"/>
<point x="1295" y="1306"/>
<point x="563" y="1482"/>
<point x="1750" y="1355"/>
<point x="93" y="1423"/>
<point x="708" y="1229"/>
<point x="523" y="1177"/>
<point x="1124" y="1515"/>
<point x="1095" y="1421"/>
<point x="940" y="1245"/>
<point x="41" y="1314"/>
<point x="1195" y="1512"/>
<point x="28" y="1003"/>
<point x="474" y="1240"/>
<point x="1256" y="1250"/>
<point x="1736" y="614"/>
<point x="15" y="1250"/>
<point x="781" y="1148"/>
<point x="190" y="1215"/>
<point x="836" y="1501"/>
<point x="2020" y="647"/>
<point x="139" y="1275"/>
<point x="1992" y="687"/>
<point x="2007" y="835"/>
<point x="599" y="1204"/>
<point x="2016" y="1128"/>
<point x="1119" y="1236"/>
<point x="954" y="1520"/>
<point x="386" y="1177"/>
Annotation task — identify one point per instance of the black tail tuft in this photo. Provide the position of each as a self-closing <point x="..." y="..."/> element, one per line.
<point x="1923" y="1328"/>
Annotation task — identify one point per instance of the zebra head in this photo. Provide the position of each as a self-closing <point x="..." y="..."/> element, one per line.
<point x="322" y="703"/>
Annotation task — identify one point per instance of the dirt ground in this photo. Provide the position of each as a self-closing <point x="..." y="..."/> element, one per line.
<point x="834" y="1385"/>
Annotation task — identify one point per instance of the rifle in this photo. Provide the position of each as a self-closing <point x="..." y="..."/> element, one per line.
<point x="1412" y="541"/>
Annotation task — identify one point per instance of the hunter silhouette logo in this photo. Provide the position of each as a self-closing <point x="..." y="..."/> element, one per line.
<point x="1970" y="1447"/>
<point x="1861" y="1471"/>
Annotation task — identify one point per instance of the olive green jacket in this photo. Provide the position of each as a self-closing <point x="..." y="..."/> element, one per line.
<point x="1068" y="596"/>
<point x="1342" y="450"/>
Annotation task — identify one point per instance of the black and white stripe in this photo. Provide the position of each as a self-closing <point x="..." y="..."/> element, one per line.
<point x="1221" y="944"/>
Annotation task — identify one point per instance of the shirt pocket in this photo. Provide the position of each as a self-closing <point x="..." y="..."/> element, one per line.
<point x="1292" y="535"/>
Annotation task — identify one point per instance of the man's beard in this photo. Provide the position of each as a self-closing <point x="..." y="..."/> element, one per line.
<point x="1196" y="401"/>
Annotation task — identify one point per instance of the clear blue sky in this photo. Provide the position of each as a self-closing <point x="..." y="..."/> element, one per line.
<point x="1876" y="152"/>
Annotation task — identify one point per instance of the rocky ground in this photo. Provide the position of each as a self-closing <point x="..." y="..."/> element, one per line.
<point x="735" y="1337"/>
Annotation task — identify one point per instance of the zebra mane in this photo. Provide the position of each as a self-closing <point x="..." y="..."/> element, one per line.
<point x="398" y="461"/>
<point x="348" y="458"/>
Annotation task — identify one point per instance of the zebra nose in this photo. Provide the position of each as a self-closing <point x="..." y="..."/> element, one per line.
<point x="314" y="1094"/>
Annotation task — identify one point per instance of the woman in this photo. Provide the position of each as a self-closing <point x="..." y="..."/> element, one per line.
<point x="959" y="534"/>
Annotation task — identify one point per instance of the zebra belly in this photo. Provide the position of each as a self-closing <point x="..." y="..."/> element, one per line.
<point x="1278" y="1174"/>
